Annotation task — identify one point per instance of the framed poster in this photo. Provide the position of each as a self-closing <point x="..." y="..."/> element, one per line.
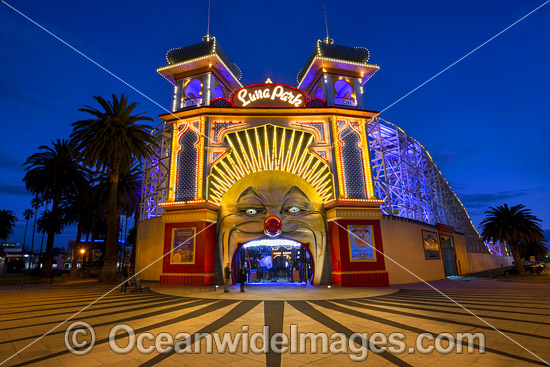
<point x="431" y="245"/>
<point x="183" y="246"/>
<point x="361" y="243"/>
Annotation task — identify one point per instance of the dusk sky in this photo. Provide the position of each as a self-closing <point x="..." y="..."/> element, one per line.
<point x="485" y="121"/>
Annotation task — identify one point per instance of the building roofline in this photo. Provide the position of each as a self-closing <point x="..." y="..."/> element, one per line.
<point x="269" y="112"/>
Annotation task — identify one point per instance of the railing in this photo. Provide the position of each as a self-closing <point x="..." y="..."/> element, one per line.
<point x="345" y="101"/>
<point x="190" y="102"/>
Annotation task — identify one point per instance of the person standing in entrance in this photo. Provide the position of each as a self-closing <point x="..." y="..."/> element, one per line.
<point x="242" y="277"/>
<point x="226" y="276"/>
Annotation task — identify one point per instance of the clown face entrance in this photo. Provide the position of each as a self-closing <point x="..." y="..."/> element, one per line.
<point x="274" y="261"/>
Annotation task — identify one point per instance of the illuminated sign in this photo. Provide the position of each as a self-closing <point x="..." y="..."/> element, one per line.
<point x="268" y="95"/>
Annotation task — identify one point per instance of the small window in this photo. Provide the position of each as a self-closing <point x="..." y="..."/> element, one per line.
<point x="192" y="94"/>
<point x="219" y="92"/>
<point x="343" y="93"/>
<point x="318" y="93"/>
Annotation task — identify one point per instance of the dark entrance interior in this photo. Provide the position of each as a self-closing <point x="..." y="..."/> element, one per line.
<point x="274" y="261"/>
<point x="449" y="259"/>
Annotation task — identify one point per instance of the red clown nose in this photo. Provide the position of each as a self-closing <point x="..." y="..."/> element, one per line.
<point x="273" y="226"/>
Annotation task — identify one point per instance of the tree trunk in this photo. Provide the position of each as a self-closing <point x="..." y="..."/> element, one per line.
<point x="25" y="237"/>
<point x="72" y="273"/>
<point x="47" y="268"/>
<point x="517" y="259"/>
<point x="32" y="242"/>
<point x="40" y="257"/>
<point x="108" y="271"/>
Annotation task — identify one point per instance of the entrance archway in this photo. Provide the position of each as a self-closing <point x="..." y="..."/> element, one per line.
<point x="274" y="261"/>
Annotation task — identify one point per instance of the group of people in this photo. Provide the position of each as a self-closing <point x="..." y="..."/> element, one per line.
<point x="133" y="283"/>
<point x="227" y="277"/>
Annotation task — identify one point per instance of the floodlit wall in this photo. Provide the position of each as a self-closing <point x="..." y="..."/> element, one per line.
<point x="150" y="243"/>
<point x="462" y="260"/>
<point x="483" y="262"/>
<point x="403" y="243"/>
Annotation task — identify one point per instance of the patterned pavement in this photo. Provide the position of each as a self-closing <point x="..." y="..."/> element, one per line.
<point x="521" y="311"/>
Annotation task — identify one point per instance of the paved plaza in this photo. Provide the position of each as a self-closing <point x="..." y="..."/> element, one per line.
<point x="519" y="310"/>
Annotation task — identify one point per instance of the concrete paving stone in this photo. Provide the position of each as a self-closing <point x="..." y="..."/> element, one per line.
<point x="493" y="297"/>
<point x="81" y="361"/>
<point x="287" y="361"/>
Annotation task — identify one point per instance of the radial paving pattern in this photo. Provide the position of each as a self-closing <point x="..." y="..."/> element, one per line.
<point x="28" y="314"/>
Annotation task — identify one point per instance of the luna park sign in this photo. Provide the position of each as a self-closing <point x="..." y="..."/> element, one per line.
<point x="268" y="95"/>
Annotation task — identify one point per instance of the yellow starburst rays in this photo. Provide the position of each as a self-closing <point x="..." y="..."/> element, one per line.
<point x="265" y="148"/>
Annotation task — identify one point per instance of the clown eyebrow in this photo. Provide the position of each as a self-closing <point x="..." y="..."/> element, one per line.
<point x="297" y="190"/>
<point x="250" y="190"/>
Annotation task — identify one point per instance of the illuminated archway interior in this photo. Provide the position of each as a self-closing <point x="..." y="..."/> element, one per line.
<point x="275" y="261"/>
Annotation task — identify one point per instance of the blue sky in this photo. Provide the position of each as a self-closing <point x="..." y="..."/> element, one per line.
<point x="485" y="121"/>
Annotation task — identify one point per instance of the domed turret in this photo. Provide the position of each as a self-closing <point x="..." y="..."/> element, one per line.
<point x="337" y="74"/>
<point x="200" y="73"/>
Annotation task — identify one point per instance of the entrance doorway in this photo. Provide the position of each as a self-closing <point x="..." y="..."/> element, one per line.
<point x="449" y="258"/>
<point x="274" y="261"/>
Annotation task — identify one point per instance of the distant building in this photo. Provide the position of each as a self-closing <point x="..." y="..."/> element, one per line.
<point x="11" y="258"/>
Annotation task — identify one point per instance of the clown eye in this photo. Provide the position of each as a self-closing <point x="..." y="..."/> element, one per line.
<point x="293" y="210"/>
<point x="251" y="211"/>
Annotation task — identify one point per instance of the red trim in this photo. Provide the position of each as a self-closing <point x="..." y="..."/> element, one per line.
<point x="316" y="152"/>
<point x="344" y="75"/>
<point x="303" y="125"/>
<point x="222" y="154"/>
<point x="225" y="99"/>
<point x="445" y="228"/>
<point x="236" y="124"/>
<point x="192" y="75"/>
<point x="200" y="280"/>
<point x="362" y="279"/>
<point x="306" y="100"/>
<point x="316" y="99"/>
<point x="204" y="249"/>
<point x="339" y="249"/>
<point x="349" y="123"/>
<point x="188" y="125"/>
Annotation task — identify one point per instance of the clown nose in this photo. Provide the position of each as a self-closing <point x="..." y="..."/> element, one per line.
<point x="273" y="226"/>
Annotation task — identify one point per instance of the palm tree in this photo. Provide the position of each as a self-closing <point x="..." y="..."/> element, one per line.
<point x="129" y="194"/>
<point x="35" y="203"/>
<point x="516" y="226"/>
<point x="129" y="191"/>
<point x="27" y="214"/>
<point x="52" y="174"/>
<point x="111" y="138"/>
<point x="7" y="222"/>
<point x="51" y="222"/>
<point x="80" y="208"/>
<point x="536" y="249"/>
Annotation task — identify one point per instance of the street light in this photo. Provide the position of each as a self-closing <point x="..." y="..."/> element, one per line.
<point x="82" y="251"/>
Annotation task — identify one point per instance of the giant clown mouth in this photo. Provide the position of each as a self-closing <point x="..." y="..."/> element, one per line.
<point x="272" y="242"/>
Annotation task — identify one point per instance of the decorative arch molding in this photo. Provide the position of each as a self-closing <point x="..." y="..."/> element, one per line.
<point x="269" y="148"/>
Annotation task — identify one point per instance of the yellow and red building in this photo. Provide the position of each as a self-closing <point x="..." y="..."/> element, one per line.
<point x="309" y="166"/>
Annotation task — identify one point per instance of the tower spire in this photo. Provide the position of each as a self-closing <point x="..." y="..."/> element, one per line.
<point x="207" y="37"/>
<point x="327" y="39"/>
